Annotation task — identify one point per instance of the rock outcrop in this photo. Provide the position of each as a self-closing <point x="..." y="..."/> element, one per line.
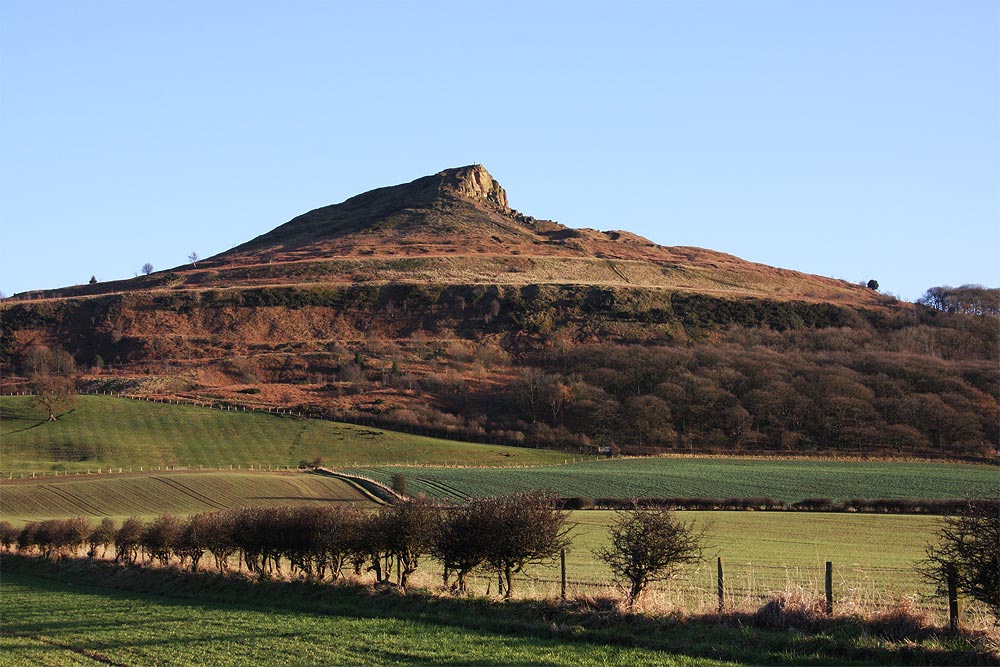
<point x="475" y="182"/>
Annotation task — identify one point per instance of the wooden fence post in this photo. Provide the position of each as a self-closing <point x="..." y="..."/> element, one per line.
<point x="721" y="589"/>
<point x="562" y="567"/>
<point x="954" y="605"/>
<point x="829" y="587"/>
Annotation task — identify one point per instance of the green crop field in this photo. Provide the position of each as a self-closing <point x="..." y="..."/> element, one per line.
<point x="177" y="493"/>
<point x="765" y="552"/>
<point x="788" y="480"/>
<point x="107" y="431"/>
<point x="46" y="623"/>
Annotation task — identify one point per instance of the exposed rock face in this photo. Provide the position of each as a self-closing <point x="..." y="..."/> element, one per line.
<point x="475" y="182"/>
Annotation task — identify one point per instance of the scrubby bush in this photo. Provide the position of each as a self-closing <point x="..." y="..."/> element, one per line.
<point x="8" y="535"/>
<point x="160" y="537"/>
<point x="968" y="550"/>
<point x="648" y="545"/>
<point x="102" y="536"/>
<point x="526" y="528"/>
<point x="459" y="541"/>
<point x="128" y="539"/>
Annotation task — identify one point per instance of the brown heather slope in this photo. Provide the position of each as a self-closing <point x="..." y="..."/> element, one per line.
<point x="456" y="227"/>
<point x="434" y="306"/>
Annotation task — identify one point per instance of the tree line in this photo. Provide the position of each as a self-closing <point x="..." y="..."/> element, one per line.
<point x="501" y="535"/>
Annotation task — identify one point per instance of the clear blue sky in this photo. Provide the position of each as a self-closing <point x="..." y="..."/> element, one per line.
<point x="848" y="138"/>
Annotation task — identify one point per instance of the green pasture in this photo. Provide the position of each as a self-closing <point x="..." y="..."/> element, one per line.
<point x="46" y="623"/>
<point x="89" y="613"/>
<point x="108" y="431"/>
<point x="97" y="496"/>
<point x="763" y="552"/>
<point x="788" y="480"/>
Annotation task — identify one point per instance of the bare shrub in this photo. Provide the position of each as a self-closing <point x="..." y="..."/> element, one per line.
<point x="8" y="535"/>
<point x="526" y="528"/>
<point x="128" y="540"/>
<point x="410" y="526"/>
<point x="649" y="544"/>
<point x="72" y="534"/>
<point x="969" y="548"/>
<point x="102" y="536"/>
<point x="160" y="537"/>
<point x="460" y="543"/>
<point x="26" y="537"/>
<point x="194" y="538"/>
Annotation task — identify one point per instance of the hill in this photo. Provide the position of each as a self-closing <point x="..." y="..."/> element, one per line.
<point x="456" y="227"/>
<point x="103" y="432"/>
<point x="433" y="306"/>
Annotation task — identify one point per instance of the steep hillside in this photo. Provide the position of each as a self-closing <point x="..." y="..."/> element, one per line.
<point x="433" y="306"/>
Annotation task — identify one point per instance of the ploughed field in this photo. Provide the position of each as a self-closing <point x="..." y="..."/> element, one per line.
<point x="104" y="431"/>
<point x="148" y="495"/>
<point x="787" y="480"/>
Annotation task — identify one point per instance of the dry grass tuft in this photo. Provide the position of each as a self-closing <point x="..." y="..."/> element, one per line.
<point x="903" y="621"/>
<point x="791" y="609"/>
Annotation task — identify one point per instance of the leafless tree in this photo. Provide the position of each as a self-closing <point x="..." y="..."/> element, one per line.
<point x="147" y="268"/>
<point x="525" y="528"/>
<point x="128" y="540"/>
<point x="410" y="526"/>
<point x="460" y="542"/>
<point x="53" y="394"/>
<point x="968" y="549"/>
<point x="51" y="372"/>
<point x="649" y="545"/>
<point x="193" y="257"/>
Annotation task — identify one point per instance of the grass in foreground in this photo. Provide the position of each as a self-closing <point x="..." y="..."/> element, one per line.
<point x="47" y="623"/>
<point x="81" y="607"/>
<point x="788" y="480"/>
<point x="108" y="431"/>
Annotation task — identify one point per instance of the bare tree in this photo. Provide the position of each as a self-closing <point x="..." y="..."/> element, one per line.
<point x="194" y="258"/>
<point x="649" y="545"/>
<point x="127" y="540"/>
<point x="147" y="268"/>
<point x="460" y="542"/>
<point x="410" y="526"/>
<point x="525" y="528"/>
<point x="102" y="536"/>
<point x="51" y="372"/>
<point x="968" y="549"/>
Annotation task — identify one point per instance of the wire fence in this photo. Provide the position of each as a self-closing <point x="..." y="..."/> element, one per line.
<point x="854" y="589"/>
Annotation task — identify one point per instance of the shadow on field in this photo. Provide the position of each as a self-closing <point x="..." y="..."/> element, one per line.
<point x="739" y="637"/>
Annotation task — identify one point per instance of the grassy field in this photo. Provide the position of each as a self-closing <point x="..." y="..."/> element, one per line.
<point x="788" y="480"/>
<point x="763" y="551"/>
<point x="89" y="613"/>
<point x="108" y="431"/>
<point x="47" y="624"/>
<point x="176" y="493"/>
